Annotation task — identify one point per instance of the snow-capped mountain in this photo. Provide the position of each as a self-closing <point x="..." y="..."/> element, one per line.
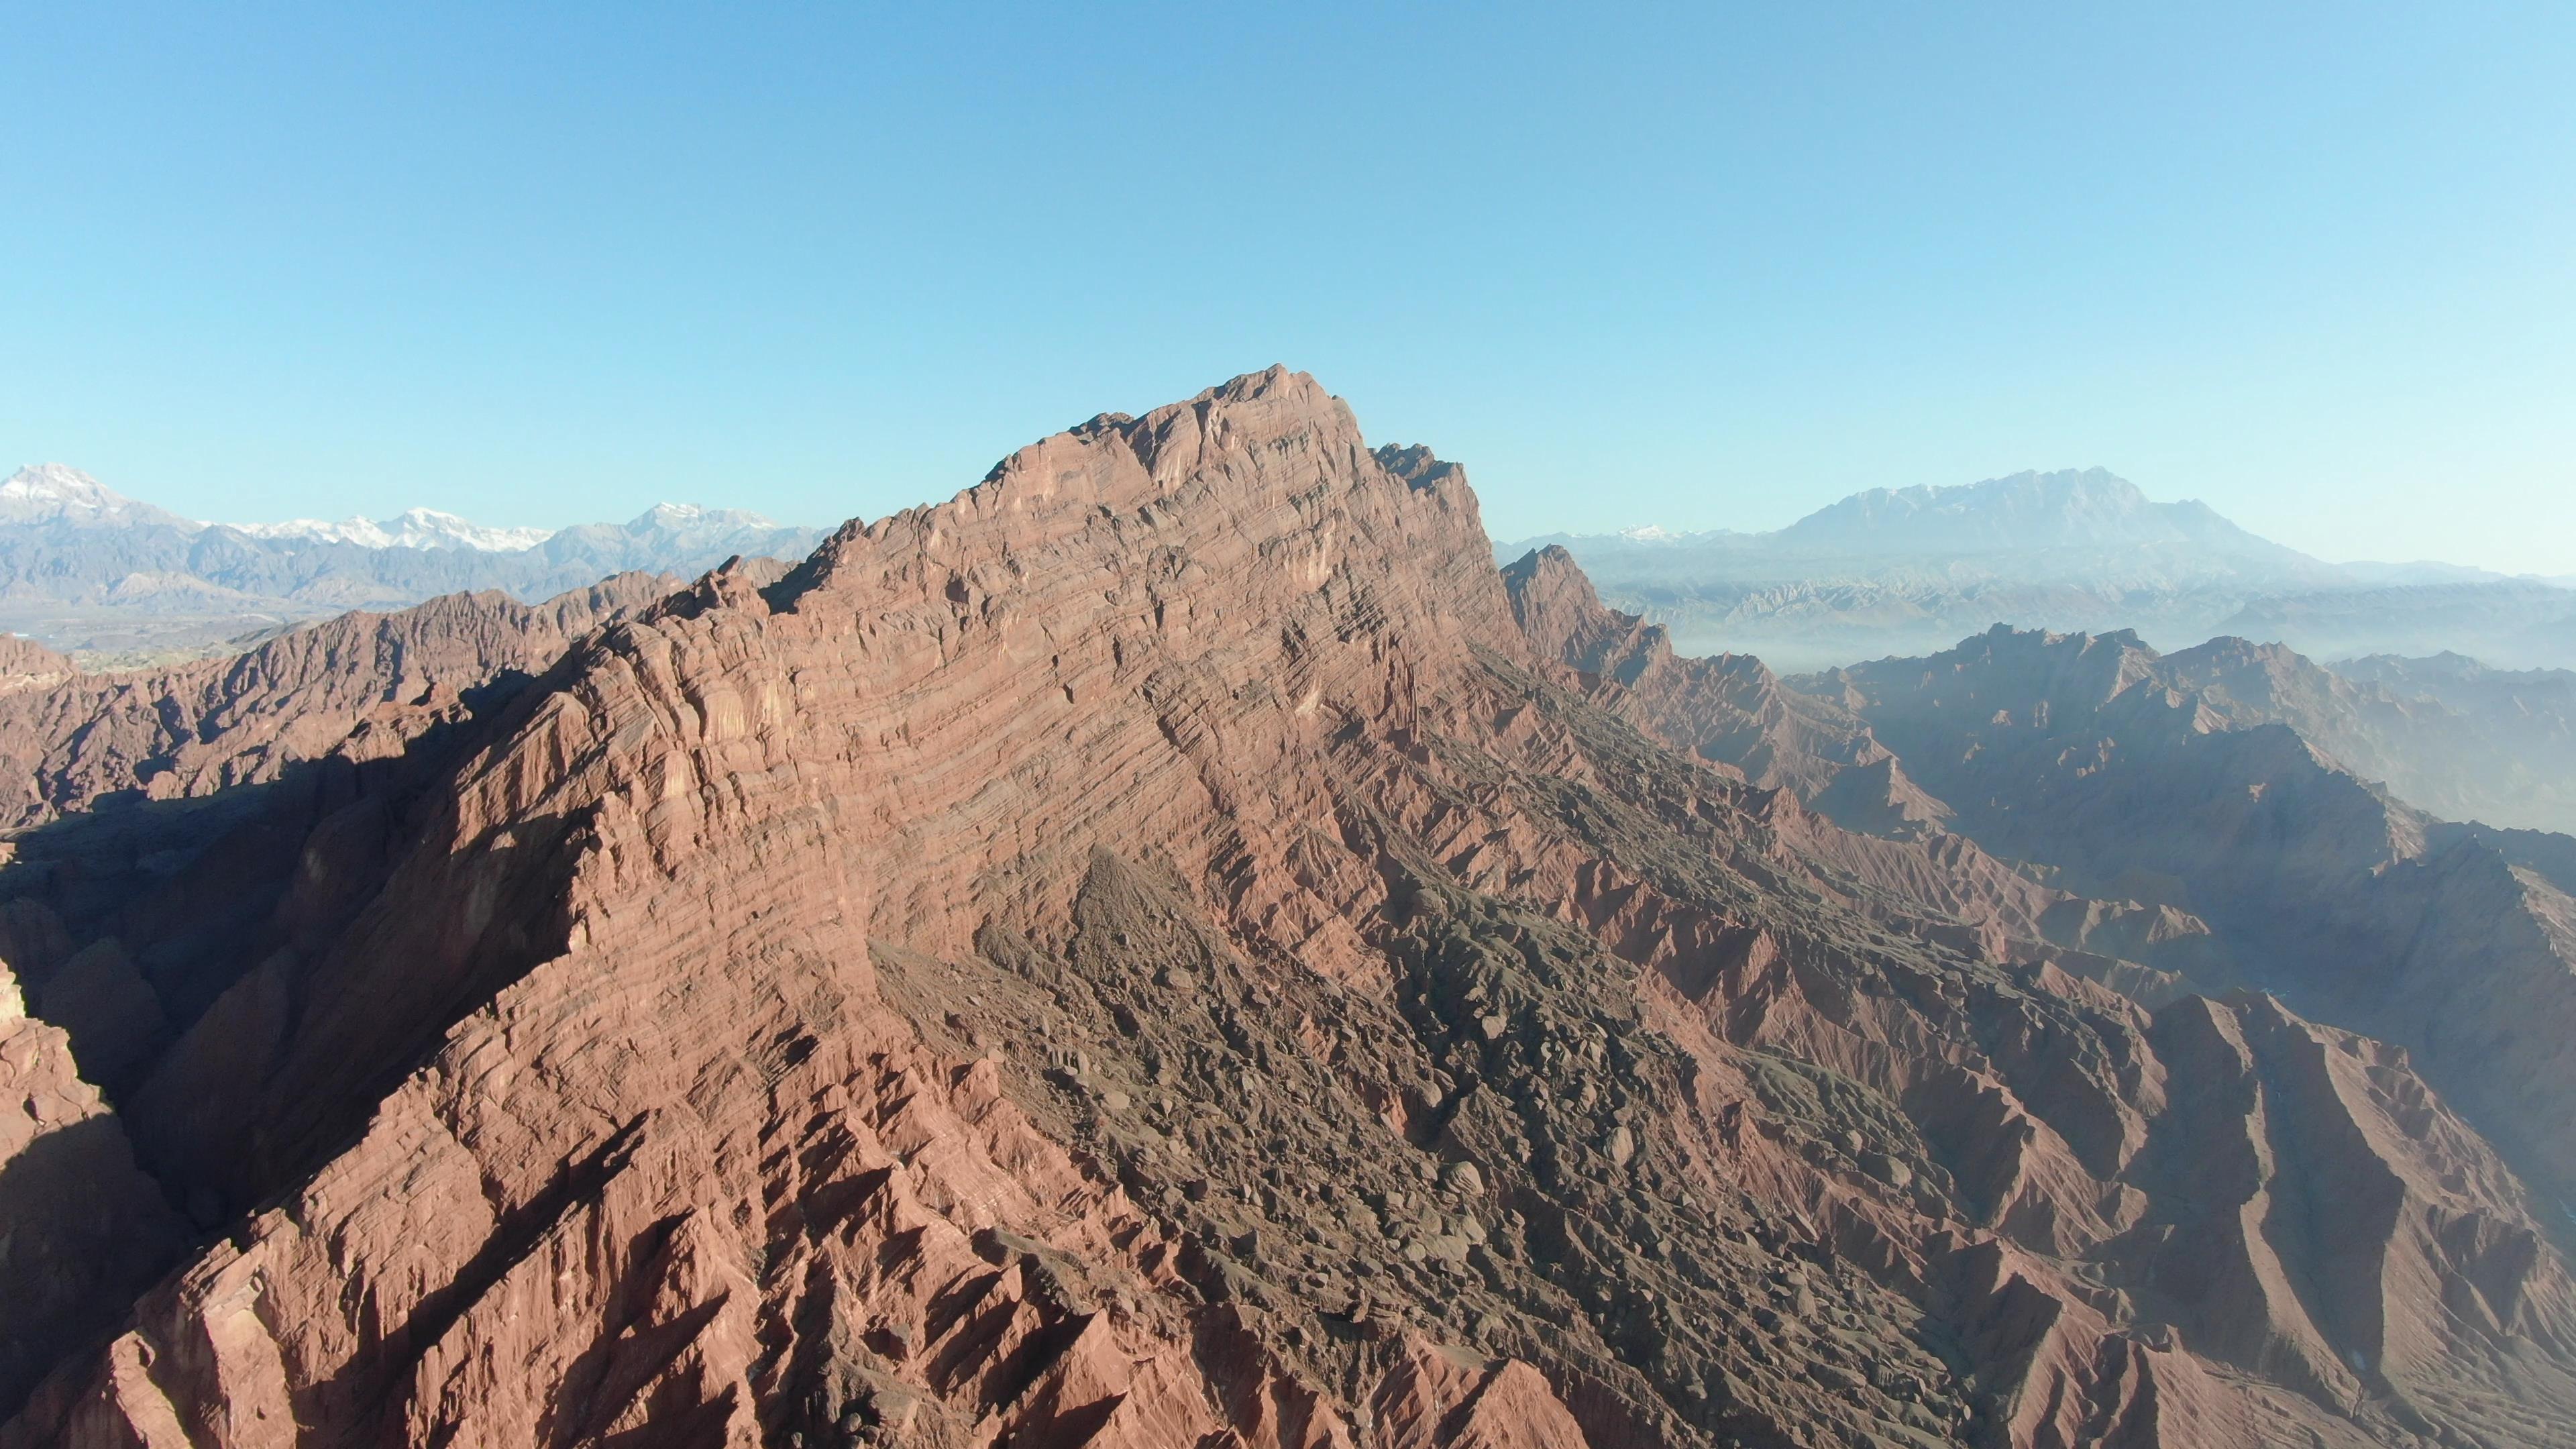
<point x="412" y="528"/>
<point x="83" y="566"/>
<point x="53" y="493"/>
<point x="681" y="526"/>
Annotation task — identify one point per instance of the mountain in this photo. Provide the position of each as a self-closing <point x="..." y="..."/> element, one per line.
<point x="2445" y="735"/>
<point x="2498" y="745"/>
<point x="2065" y="512"/>
<point x="2082" y="526"/>
<point x="94" y="574"/>
<point x="1173" y="947"/>
<point x="1908" y="571"/>
<point x="51" y="494"/>
<point x="412" y="528"/>
<point x="669" y="527"/>
<point x="2198" y="780"/>
<point x="71" y="741"/>
<point x="2426" y="571"/>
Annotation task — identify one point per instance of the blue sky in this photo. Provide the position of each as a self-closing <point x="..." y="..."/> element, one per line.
<point x="1705" y="265"/>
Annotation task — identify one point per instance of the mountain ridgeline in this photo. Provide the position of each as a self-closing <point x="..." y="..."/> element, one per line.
<point x="1174" y="947"/>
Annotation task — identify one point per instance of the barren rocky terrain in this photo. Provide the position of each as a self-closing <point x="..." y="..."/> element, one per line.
<point x="1173" y="947"/>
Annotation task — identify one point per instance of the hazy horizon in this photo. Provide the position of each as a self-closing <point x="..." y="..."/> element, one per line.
<point x="1499" y="536"/>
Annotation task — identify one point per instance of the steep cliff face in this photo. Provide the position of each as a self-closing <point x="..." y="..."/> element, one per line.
<point x="162" y="811"/>
<point x="1160" y="950"/>
<point x="84" y="1230"/>
<point x="2148" y="1160"/>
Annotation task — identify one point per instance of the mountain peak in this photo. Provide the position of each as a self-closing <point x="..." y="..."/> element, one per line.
<point x="59" y="482"/>
<point x="1223" y="453"/>
<point x="686" y="520"/>
<point x="2087" y="509"/>
<point x="1018" y="977"/>
<point x="58" y="492"/>
<point x="2065" y="505"/>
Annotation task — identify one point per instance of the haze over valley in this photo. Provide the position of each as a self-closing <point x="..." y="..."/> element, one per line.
<point x="1900" y="571"/>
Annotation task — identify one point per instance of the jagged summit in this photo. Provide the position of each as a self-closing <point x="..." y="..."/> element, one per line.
<point x="1223" y="454"/>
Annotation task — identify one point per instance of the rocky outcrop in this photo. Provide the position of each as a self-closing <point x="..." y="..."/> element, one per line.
<point x="1730" y="710"/>
<point x="26" y="664"/>
<point x="1157" y="951"/>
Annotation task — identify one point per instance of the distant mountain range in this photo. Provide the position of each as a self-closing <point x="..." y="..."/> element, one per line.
<point x="412" y="528"/>
<point x="90" y="571"/>
<point x="1913" y="570"/>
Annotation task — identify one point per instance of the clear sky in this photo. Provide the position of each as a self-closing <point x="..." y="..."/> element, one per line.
<point x="1707" y="265"/>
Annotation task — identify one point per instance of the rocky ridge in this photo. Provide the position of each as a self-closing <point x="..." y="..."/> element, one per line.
<point x="1168" y="948"/>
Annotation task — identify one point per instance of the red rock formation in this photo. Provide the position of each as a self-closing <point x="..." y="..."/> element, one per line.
<point x="1150" y="952"/>
<point x="1729" y="710"/>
